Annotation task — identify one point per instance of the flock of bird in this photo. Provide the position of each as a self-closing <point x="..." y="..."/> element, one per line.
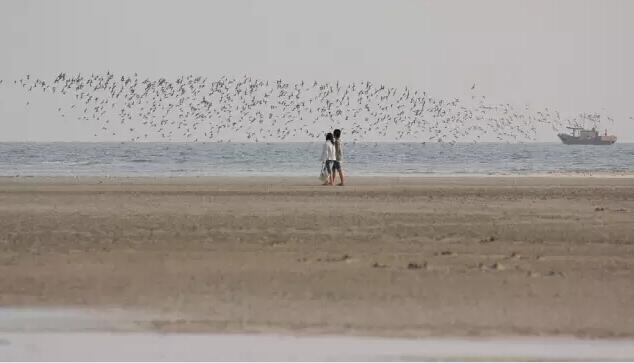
<point x="195" y="108"/>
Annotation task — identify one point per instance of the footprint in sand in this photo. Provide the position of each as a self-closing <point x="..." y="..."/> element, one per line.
<point x="494" y="267"/>
<point x="416" y="266"/>
<point x="555" y="273"/>
<point x="343" y="258"/>
<point x="488" y="240"/>
<point x="444" y="253"/>
<point x="498" y="267"/>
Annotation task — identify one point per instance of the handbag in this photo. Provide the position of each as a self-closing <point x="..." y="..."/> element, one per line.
<point x="323" y="176"/>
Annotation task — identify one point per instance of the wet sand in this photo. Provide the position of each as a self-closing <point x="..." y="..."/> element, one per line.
<point x="390" y="257"/>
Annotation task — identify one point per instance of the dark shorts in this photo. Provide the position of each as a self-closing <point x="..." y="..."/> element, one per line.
<point x="336" y="165"/>
<point x="329" y="167"/>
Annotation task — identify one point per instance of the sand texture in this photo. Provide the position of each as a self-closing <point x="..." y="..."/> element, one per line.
<point x="415" y="257"/>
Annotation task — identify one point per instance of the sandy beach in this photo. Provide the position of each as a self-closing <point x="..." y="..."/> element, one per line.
<point x="386" y="257"/>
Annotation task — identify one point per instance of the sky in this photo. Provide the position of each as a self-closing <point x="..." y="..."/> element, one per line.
<point x="570" y="55"/>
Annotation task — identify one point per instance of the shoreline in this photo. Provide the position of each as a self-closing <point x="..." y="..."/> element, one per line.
<point x="351" y="180"/>
<point x="572" y="174"/>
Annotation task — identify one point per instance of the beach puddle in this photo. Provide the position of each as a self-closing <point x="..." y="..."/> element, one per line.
<point x="113" y="335"/>
<point x="39" y="320"/>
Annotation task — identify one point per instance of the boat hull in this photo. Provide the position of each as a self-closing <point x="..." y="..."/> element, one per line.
<point x="600" y="140"/>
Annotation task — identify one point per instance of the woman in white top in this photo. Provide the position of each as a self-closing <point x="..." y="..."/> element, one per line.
<point x="328" y="157"/>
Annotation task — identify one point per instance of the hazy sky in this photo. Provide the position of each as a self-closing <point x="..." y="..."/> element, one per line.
<point x="574" y="56"/>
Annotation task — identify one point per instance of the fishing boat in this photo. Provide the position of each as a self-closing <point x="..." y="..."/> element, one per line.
<point x="581" y="136"/>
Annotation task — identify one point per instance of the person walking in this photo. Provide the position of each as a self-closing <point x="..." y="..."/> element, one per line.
<point x="336" y="166"/>
<point x="328" y="158"/>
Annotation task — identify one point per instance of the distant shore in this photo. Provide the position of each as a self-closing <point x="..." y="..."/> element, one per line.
<point x="392" y="257"/>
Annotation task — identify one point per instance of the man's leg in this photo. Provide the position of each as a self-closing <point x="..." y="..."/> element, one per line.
<point x="341" y="176"/>
<point x="338" y="169"/>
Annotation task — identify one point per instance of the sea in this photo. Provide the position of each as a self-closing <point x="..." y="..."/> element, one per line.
<point x="302" y="159"/>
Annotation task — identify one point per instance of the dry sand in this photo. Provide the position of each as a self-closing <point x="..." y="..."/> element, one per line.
<point x="415" y="257"/>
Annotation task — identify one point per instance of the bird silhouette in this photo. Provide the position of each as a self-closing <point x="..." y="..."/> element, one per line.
<point x="196" y="108"/>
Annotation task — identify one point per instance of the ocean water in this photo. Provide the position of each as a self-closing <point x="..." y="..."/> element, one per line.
<point x="302" y="159"/>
